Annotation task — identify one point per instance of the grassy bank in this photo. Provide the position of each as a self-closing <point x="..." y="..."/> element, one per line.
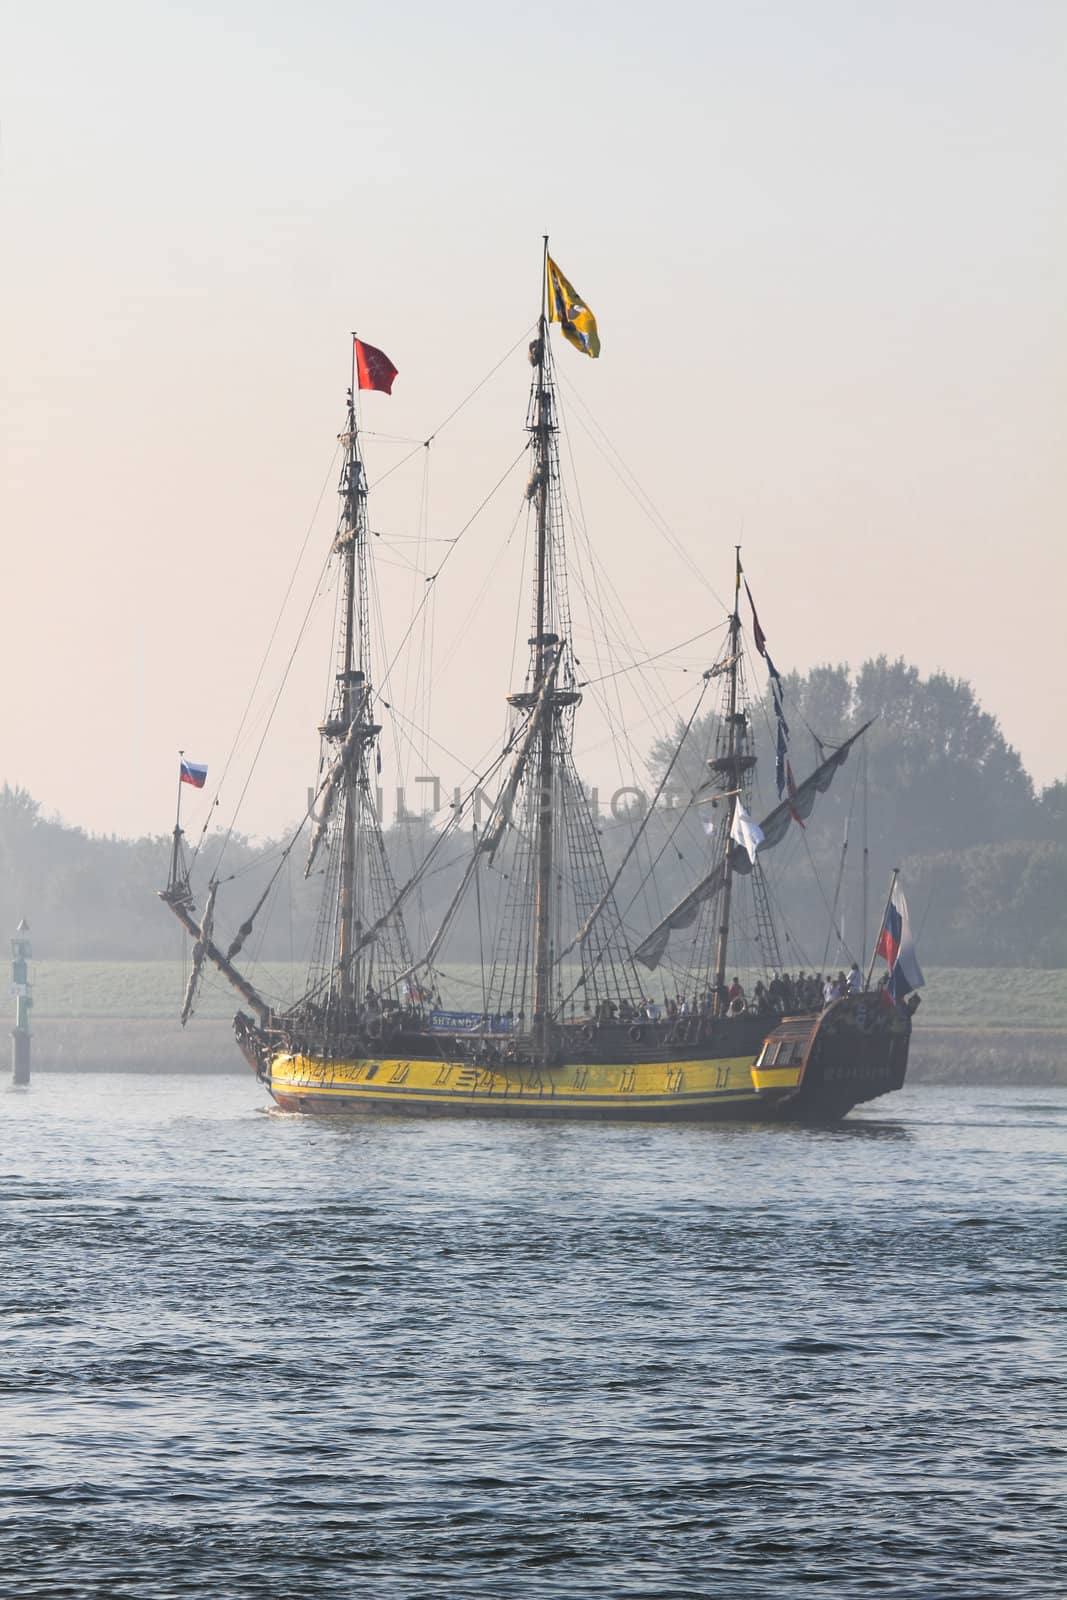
<point x="1035" y="1056"/>
<point x="107" y="1044"/>
<point x="975" y="1025"/>
<point x="1007" y="998"/>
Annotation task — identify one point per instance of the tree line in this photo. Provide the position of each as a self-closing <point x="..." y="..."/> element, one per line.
<point x="944" y="796"/>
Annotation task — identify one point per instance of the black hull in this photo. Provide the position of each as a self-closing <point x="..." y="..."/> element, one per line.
<point x="811" y="1068"/>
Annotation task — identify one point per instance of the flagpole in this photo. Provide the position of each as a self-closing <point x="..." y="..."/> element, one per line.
<point x="888" y="902"/>
<point x="178" y="812"/>
<point x="177" y="824"/>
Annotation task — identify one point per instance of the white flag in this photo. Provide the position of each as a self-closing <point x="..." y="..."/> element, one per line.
<point x="745" y="832"/>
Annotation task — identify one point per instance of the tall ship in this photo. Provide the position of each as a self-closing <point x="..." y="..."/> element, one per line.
<point x="564" y="1025"/>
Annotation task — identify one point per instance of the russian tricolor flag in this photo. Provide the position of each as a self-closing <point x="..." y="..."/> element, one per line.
<point x="896" y="945"/>
<point x="192" y="772"/>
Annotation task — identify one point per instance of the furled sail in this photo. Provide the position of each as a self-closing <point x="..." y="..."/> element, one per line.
<point x="331" y="788"/>
<point x="200" y="949"/>
<point x="489" y="843"/>
<point x="651" y="950"/>
<point x="800" y="803"/>
<point x="774" y="828"/>
<point x="237" y="944"/>
<point x="505" y="805"/>
<point x="605" y="899"/>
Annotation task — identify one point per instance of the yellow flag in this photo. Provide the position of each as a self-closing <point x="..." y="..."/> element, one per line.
<point x="566" y="306"/>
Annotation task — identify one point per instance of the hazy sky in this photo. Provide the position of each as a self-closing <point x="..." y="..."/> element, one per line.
<point x="824" y="243"/>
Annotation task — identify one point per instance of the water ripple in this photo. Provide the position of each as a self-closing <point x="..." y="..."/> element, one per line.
<point x="250" y="1355"/>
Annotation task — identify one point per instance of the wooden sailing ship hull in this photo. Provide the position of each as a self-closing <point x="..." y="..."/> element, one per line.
<point x="806" y="1068"/>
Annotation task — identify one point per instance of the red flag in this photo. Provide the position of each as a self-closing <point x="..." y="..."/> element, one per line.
<point x="374" y="370"/>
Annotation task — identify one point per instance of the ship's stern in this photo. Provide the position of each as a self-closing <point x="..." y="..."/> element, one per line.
<point x="855" y="1050"/>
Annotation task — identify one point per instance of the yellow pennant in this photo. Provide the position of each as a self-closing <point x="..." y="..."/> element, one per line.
<point x="566" y="306"/>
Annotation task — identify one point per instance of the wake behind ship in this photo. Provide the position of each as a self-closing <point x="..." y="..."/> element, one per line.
<point x="565" y="1028"/>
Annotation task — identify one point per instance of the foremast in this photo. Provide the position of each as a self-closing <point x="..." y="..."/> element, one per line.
<point x="352" y="727"/>
<point x="359" y="882"/>
<point x="359" y="889"/>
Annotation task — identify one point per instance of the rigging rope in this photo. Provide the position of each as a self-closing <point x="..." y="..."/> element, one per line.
<point x="609" y="892"/>
<point x="263" y="662"/>
<point x="523" y="337"/>
<point x="271" y="714"/>
<point x="635" y="489"/>
<point x="656" y="691"/>
<point x="422" y="444"/>
<point x="432" y="579"/>
<point x="822" y="895"/>
<point x="587" y="683"/>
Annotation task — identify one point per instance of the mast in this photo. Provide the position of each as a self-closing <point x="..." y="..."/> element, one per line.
<point x="774" y="827"/>
<point x="352" y="696"/>
<point x="555" y="863"/>
<point x="176" y="845"/>
<point x="541" y="690"/>
<point x="733" y="769"/>
<point x="359" y="891"/>
<point x="179" y="903"/>
<point x="359" y="886"/>
<point x="542" y="643"/>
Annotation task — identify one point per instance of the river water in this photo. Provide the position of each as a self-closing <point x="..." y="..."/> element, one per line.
<point x="250" y="1355"/>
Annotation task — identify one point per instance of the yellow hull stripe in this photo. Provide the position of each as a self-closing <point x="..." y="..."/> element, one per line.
<point x="775" y="1077"/>
<point x="639" y="1085"/>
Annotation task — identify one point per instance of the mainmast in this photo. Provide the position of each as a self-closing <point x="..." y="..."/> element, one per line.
<point x="731" y="767"/>
<point x="555" y="866"/>
<point x="543" y="642"/>
<point x="544" y="645"/>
